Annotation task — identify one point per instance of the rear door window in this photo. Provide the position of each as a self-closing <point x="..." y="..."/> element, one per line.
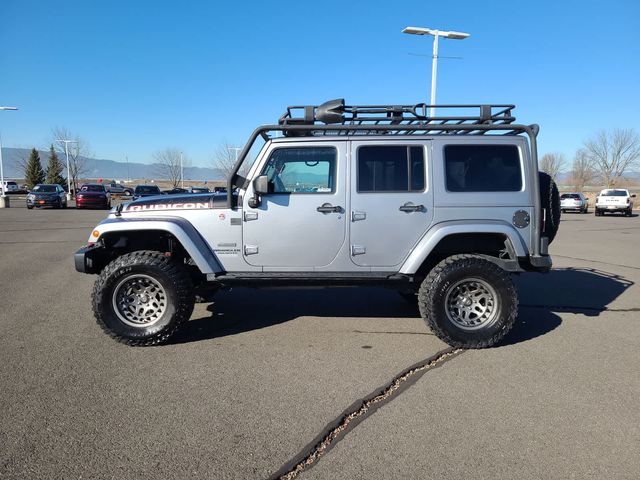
<point x="482" y="168"/>
<point x="391" y="169"/>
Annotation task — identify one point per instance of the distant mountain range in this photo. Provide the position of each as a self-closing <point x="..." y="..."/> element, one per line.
<point x="106" y="169"/>
<point x="112" y="170"/>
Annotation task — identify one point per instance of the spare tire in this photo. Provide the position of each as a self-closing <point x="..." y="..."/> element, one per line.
<point x="550" y="203"/>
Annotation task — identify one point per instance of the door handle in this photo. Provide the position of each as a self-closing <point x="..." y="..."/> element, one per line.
<point x="409" y="207"/>
<point x="356" y="216"/>
<point x="328" y="208"/>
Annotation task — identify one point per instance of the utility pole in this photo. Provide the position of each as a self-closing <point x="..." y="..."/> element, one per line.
<point x="236" y="149"/>
<point x="4" y="200"/>
<point x="181" y="172"/>
<point x="66" y="152"/>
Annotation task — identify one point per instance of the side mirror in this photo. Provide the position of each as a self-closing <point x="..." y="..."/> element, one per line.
<point x="633" y="196"/>
<point x="260" y="187"/>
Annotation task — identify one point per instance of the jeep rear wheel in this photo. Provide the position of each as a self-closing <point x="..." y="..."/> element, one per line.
<point x="141" y="298"/>
<point x="468" y="301"/>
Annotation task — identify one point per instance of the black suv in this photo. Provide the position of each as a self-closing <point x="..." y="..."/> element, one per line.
<point x="146" y="191"/>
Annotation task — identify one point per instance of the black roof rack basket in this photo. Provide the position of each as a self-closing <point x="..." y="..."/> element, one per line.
<point x="366" y="119"/>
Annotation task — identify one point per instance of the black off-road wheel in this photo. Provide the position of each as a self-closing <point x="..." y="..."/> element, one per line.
<point x="142" y="298"/>
<point x="468" y="301"/>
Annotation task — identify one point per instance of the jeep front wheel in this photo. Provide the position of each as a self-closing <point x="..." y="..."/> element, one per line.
<point x="468" y="301"/>
<point x="141" y="298"/>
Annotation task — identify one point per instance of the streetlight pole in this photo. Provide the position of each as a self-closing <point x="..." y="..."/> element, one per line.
<point x="434" y="62"/>
<point x="66" y="152"/>
<point x="181" y="172"/>
<point x="434" y="72"/>
<point x="235" y="149"/>
<point x="4" y="200"/>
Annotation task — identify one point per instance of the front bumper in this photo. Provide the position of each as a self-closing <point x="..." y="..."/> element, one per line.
<point x="43" y="202"/>
<point x="90" y="259"/>
<point x="92" y="202"/>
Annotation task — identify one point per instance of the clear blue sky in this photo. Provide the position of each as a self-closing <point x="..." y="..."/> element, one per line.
<point x="133" y="77"/>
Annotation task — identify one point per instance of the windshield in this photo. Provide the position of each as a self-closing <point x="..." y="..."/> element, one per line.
<point x="571" y="195"/>
<point x="147" y="189"/>
<point x="614" y="193"/>
<point x="92" y="188"/>
<point x="45" y="189"/>
<point x="11" y="183"/>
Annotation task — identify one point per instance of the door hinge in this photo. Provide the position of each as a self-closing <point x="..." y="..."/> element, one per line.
<point x="358" y="250"/>
<point x="250" y="249"/>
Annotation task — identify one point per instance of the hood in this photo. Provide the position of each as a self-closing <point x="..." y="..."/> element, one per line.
<point x="44" y="194"/>
<point x="188" y="201"/>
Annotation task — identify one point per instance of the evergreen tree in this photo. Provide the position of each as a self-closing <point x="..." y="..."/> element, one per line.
<point x="33" y="172"/>
<point x="54" y="168"/>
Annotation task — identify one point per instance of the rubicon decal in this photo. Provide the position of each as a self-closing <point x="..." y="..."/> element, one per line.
<point x="169" y="206"/>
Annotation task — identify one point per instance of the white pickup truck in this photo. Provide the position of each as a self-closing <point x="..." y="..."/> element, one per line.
<point x="614" y="200"/>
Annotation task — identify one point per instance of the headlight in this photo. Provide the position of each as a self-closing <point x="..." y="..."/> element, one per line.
<point x="31" y="196"/>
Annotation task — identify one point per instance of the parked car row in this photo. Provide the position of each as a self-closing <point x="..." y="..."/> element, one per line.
<point x="610" y="200"/>
<point x="92" y="195"/>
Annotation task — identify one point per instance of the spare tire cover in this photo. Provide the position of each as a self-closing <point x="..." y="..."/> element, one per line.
<point x="550" y="203"/>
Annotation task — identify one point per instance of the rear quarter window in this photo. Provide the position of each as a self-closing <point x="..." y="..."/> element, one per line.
<point x="482" y="168"/>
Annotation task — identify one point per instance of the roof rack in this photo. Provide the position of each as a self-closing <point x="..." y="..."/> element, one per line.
<point x="336" y="118"/>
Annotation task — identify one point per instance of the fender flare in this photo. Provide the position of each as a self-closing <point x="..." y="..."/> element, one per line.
<point x="441" y="230"/>
<point x="181" y="229"/>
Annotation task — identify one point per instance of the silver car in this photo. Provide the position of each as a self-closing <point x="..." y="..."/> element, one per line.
<point x="575" y="202"/>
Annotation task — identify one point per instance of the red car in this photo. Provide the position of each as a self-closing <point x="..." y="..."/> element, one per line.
<point x="93" y="195"/>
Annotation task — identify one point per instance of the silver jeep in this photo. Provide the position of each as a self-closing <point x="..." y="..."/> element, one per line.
<point x="443" y="209"/>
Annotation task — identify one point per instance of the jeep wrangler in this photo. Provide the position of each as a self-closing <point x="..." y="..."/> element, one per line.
<point x="444" y="209"/>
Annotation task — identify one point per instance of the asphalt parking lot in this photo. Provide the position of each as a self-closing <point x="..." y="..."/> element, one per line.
<point x="256" y="380"/>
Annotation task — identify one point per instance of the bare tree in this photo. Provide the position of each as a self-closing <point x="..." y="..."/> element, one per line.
<point x="20" y="163"/>
<point x="552" y="163"/>
<point x="78" y="150"/>
<point x="169" y="166"/>
<point x="224" y="158"/>
<point x="613" y="152"/>
<point x="582" y="171"/>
